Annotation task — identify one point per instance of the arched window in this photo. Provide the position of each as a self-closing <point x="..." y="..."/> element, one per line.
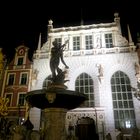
<point x="84" y="84"/>
<point x="123" y="107"/>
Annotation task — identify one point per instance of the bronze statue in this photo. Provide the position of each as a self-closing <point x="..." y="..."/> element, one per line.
<point x="56" y="56"/>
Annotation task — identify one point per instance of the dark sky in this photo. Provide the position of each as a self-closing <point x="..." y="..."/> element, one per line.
<point x="22" y="21"/>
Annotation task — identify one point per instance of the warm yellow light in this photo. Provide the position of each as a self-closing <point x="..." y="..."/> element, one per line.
<point x="3" y="106"/>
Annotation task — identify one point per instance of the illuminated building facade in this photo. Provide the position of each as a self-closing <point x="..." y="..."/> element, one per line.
<point x="102" y="65"/>
<point x="16" y="83"/>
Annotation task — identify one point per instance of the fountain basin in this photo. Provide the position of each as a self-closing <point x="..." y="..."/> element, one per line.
<point x="55" y="98"/>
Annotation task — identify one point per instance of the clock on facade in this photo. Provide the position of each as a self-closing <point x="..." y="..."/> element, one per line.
<point x="21" y="52"/>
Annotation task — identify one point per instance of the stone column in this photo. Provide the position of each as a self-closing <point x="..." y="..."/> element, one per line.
<point x="55" y="124"/>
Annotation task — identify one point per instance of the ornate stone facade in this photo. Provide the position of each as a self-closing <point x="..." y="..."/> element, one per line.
<point x="100" y="62"/>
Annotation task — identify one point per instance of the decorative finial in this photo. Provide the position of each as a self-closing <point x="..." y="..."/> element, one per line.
<point x="50" y="22"/>
<point x="116" y="15"/>
<point x="117" y="20"/>
<point x="131" y="43"/>
<point x="50" y="25"/>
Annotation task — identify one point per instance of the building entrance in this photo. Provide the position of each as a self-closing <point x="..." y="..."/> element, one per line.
<point x="85" y="129"/>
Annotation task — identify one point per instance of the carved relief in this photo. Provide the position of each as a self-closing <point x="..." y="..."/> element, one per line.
<point x="46" y="46"/>
<point x="51" y="97"/>
<point x="73" y="117"/>
<point x="137" y="69"/>
<point x="98" y="41"/>
<point x="100" y="72"/>
<point x="121" y="41"/>
<point x="34" y="76"/>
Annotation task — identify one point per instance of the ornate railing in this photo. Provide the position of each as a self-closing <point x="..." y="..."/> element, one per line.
<point x="67" y="53"/>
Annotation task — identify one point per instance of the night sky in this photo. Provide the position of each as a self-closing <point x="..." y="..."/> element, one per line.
<point x="22" y="21"/>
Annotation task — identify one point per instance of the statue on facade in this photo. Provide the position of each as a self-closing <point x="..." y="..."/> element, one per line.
<point x="100" y="72"/>
<point x="56" y="55"/>
<point x="137" y="69"/>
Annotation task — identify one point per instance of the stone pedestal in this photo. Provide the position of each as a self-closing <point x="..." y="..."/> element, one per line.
<point x="55" y="101"/>
<point x="54" y="127"/>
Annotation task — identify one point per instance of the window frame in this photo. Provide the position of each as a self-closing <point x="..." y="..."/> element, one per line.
<point x="123" y="106"/>
<point x="88" y="42"/>
<point x="18" y="62"/>
<point x="21" y="78"/>
<point x="82" y="85"/>
<point x="19" y="99"/>
<point x="108" y="40"/>
<point x="76" y="43"/>
<point x="8" y="79"/>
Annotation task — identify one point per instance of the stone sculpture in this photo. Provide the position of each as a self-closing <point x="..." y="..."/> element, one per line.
<point x="57" y="55"/>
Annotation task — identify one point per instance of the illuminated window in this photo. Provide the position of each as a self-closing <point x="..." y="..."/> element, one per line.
<point x="23" y="80"/>
<point x="11" y="79"/>
<point x="122" y="101"/>
<point x="59" y="41"/>
<point x="76" y="43"/>
<point x="108" y="40"/>
<point x="88" y="42"/>
<point x="84" y="84"/>
<point x="21" y="99"/>
<point x="20" y="61"/>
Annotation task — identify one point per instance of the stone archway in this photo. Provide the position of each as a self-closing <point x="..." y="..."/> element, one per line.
<point x="85" y="129"/>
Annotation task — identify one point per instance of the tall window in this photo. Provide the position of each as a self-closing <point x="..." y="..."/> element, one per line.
<point x="84" y="84"/>
<point x="108" y="40"/>
<point x="11" y="79"/>
<point x="123" y="108"/>
<point x="59" y="40"/>
<point x="20" y="61"/>
<point x="23" y="80"/>
<point x="21" y="99"/>
<point x="88" y="42"/>
<point x="76" y="43"/>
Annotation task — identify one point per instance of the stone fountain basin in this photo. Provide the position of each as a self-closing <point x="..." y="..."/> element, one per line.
<point x="55" y="98"/>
